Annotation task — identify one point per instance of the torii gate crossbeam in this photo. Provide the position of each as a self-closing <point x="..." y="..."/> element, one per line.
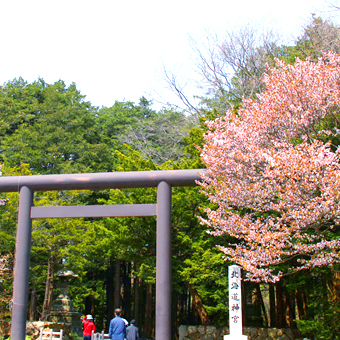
<point x="27" y="185"/>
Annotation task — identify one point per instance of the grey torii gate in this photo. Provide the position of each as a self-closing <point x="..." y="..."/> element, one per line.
<point x="27" y="185"/>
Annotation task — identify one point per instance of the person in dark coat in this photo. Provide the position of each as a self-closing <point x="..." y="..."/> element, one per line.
<point x="132" y="331"/>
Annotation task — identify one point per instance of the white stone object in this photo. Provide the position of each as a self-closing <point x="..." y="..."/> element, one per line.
<point x="235" y="305"/>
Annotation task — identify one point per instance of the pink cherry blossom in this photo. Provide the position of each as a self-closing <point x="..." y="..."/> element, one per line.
<point x="274" y="173"/>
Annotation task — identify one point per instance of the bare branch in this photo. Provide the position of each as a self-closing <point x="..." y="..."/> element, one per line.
<point x="232" y="68"/>
<point x="333" y="4"/>
<point x="172" y="82"/>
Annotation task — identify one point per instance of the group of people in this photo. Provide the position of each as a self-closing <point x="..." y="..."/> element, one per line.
<point x="118" y="328"/>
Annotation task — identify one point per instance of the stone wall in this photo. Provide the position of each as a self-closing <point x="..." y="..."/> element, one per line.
<point x="214" y="333"/>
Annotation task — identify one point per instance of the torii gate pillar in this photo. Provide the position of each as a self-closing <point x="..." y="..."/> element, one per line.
<point x="22" y="265"/>
<point x="163" y="262"/>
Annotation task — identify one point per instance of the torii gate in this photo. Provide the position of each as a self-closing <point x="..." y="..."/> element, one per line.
<point x="27" y="185"/>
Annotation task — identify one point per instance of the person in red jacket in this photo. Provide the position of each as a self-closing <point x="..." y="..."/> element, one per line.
<point x="88" y="327"/>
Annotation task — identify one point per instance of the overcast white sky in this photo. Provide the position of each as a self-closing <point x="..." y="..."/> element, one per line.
<point x="114" y="50"/>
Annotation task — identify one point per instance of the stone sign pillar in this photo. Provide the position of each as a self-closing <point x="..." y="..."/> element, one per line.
<point x="235" y="305"/>
<point x="63" y="310"/>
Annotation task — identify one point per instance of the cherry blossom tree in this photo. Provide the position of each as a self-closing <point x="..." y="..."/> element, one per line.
<point x="273" y="170"/>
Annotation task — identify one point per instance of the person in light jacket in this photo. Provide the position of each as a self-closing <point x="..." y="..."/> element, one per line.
<point x="117" y="328"/>
<point x="132" y="331"/>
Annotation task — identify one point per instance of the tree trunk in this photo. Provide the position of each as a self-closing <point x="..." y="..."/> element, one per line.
<point x="292" y="312"/>
<point x="137" y="299"/>
<point x="261" y="303"/>
<point x="183" y="306"/>
<point x="175" y="304"/>
<point x="191" y="316"/>
<point x="129" y="292"/>
<point x="198" y="306"/>
<point x="289" y="308"/>
<point x="148" y="311"/>
<point x="89" y="305"/>
<point x="279" y="306"/>
<point x="244" y="303"/>
<point x="301" y="304"/>
<point x="126" y="295"/>
<point x="48" y="289"/>
<point x="109" y="294"/>
<point x="333" y="287"/>
<point x="33" y="306"/>
<point x="117" y="285"/>
<point x="272" y="306"/>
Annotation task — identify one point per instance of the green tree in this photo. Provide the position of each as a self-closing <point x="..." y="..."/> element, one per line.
<point x="114" y="122"/>
<point x="51" y="128"/>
